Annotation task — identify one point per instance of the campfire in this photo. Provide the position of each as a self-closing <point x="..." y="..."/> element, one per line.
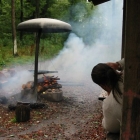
<point x="45" y="83"/>
<point x="47" y="87"/>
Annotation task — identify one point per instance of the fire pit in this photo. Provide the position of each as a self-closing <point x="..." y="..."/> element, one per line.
<point x="47" y="88"/>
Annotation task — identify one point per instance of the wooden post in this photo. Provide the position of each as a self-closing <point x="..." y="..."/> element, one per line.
<point x="130" y="129"/>
<point x="123" y="28"/>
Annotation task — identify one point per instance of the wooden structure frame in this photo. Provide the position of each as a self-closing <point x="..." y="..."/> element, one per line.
<point x="130" y="127"/>
<point x="97" y="2"/>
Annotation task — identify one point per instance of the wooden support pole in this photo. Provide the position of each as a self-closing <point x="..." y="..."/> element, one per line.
<point x="123" y="28"/>
<point x="130" y="129"/>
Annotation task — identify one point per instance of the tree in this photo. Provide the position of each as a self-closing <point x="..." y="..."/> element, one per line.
<point x="21" y="16"/>
<point x="14" y="28"/>
<point x="37" y="8"/>
<point x="29" y="9"/>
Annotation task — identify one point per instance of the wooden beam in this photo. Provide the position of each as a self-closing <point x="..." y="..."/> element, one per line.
<point x="130" y="129"/>
<point x="123" y="28"/>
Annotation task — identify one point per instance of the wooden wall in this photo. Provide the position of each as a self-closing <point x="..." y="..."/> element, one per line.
<point x="130" y="129"/>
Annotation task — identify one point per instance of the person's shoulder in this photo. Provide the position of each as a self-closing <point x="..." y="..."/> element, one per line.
<point x="108" y="101"/>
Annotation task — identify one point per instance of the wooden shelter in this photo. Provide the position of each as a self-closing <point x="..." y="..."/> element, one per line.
<point x="130" y="128"/>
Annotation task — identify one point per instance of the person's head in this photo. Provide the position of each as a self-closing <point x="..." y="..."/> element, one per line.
<point x="106" y="77"/>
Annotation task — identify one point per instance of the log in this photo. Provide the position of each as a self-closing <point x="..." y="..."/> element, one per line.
<point x="48" y="79"/>
<point x="28" y="85"/>
<point x="22" y="113"/>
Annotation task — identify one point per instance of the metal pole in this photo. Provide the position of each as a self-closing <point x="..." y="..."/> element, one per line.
<point x="38" y="35"/>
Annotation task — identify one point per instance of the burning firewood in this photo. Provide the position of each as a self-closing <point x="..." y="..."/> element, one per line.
<point x="48" y="79"/>
<point x="39" y="88"/>
<point x="28" y="85"/>
<point x="44" y="83"/>
<point x="23" y="86"/>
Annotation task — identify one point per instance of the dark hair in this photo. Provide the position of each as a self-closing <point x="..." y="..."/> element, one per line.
<point x="102" y="74"/>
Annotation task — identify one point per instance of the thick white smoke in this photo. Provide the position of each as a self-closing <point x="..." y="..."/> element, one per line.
<point x="75" y="62"/>
<point x="77" y="59"/>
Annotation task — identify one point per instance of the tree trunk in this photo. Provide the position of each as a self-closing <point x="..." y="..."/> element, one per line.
<point x="21" y="17"/>
<point x="37" y="9"/>
<point x="14" y="29"/>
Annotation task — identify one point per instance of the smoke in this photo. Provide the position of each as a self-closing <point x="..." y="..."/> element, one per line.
<point x="98" y="39"/>
<point x="12" y="84"/>
<point x="77" y="59"/>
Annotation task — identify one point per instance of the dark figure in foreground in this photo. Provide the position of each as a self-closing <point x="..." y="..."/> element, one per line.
<point x="109" y="76"/>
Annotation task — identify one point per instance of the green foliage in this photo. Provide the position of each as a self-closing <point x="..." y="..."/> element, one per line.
<point x="61" y="7"/>
<point x="28" y="9"/>
<point x="26" y="51"/>
<point x="5" y="42"/>
<point x="4" y="55"/>
<point x="14" y="120"/>
<point x="5" y="18"/>
<point x="71" y="11"/>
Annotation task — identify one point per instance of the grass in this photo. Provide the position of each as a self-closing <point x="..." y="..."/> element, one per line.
<point x="13" y="120"/>
<point x="50" y="46"/>
<point x="14" y="61"/>
<point x="26" y="54"/>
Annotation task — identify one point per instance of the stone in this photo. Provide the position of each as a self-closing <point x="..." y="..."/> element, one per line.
<point x="52" y="95"/>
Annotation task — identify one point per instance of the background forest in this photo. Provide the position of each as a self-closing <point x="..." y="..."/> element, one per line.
<point x="12" y="12"/>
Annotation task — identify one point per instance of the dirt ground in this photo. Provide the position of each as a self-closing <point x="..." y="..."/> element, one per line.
<point x="77" y="117"/>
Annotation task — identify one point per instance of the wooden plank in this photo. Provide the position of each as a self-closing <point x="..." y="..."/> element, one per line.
<point x="130" y="129"/>
<point x="123" y="29"/>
